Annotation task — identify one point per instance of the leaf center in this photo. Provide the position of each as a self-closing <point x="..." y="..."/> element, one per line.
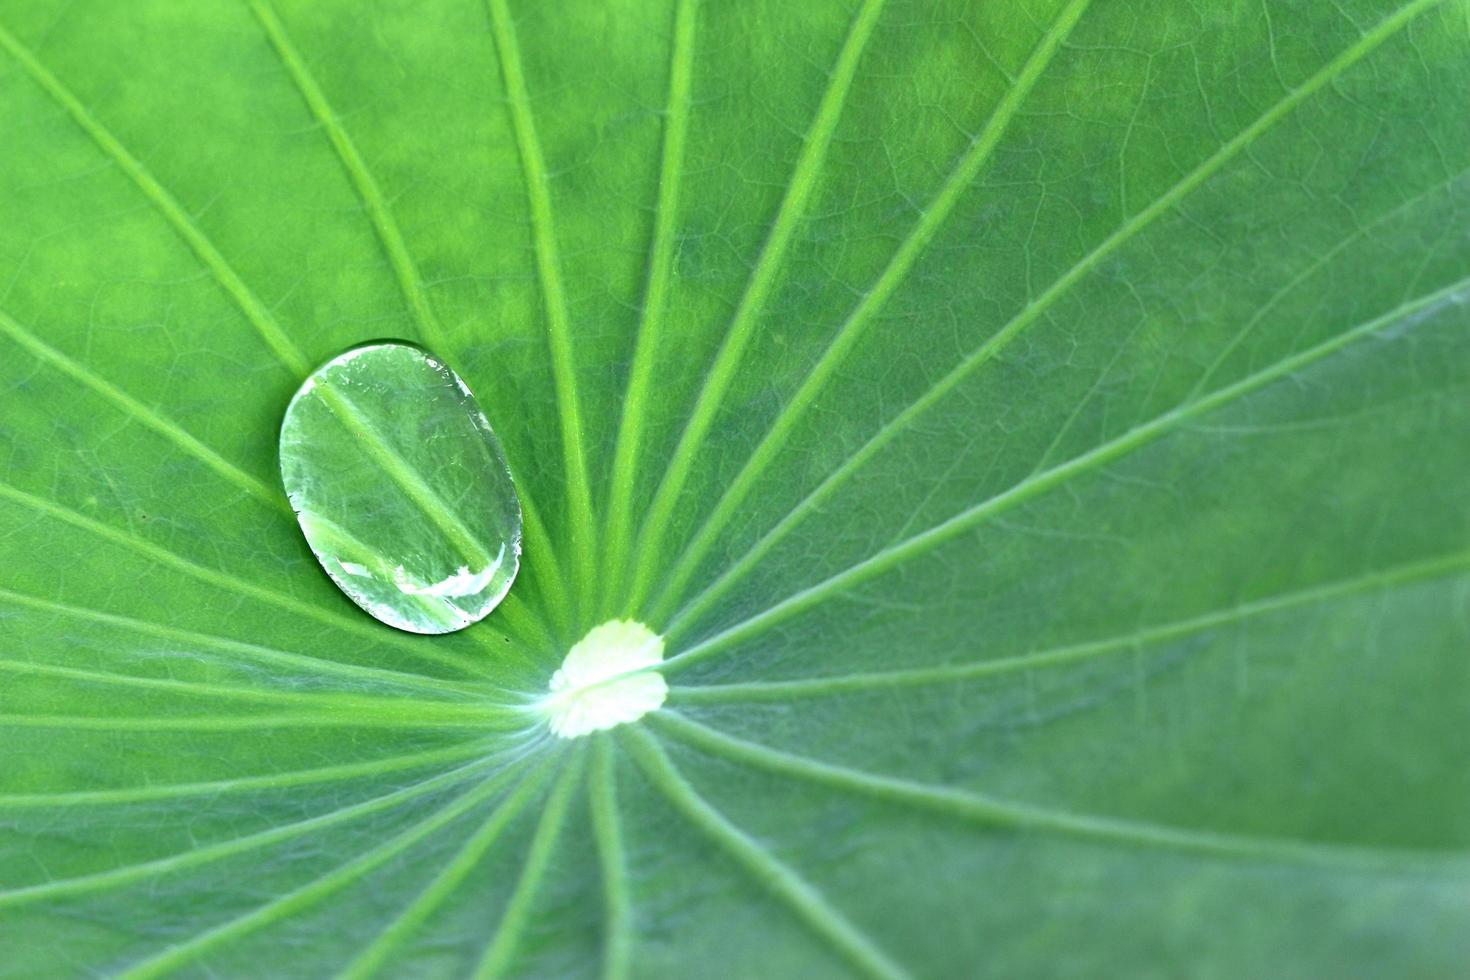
<point x="605" y="680"/>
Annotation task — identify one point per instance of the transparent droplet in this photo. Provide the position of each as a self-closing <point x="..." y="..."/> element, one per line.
<point x="401" y="488"/>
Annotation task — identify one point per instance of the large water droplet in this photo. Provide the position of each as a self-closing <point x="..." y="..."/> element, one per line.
<point x="401" y="488"/>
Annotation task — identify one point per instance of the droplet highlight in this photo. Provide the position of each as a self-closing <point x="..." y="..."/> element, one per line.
<point x="401" y="488"/>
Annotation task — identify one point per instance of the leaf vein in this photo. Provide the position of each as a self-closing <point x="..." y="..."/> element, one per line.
<point x="762" y="280"/>
<point x="504" y="944"/>
<point x="1006" y="814"/>
<point x="655" y="300"/>
<point x="185" y="226"/>
<point x="1031" y="487"/>
<point x="771" y="874"/>
<point x="1033" y="310"/>
<point x="253" y="650"/>
<point x="231" y="583"/>
<point x="558" y="320"/>
<point x="98" y="881"/>
<point x="180" y="955"/>
<point x="1078" y="652"/>
<point x="961" y="177"/>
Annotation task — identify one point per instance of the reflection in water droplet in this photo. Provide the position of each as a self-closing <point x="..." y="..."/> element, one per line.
<point x="401" y="488"/>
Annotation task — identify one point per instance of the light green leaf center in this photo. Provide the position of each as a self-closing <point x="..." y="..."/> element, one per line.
<point x="604" y="680"/>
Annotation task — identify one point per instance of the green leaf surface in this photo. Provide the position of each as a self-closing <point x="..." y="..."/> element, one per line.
<point x="1038" y="431"/>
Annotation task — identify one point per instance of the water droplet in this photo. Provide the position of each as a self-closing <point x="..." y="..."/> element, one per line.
<point x="401" y="488"/>
<point x="605" y="681"/>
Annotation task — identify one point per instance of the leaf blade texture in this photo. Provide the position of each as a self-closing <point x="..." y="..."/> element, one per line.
<point x="1036" y="432"/>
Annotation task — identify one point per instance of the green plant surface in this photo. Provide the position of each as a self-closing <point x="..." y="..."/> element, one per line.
<point x="1037" y="430"/>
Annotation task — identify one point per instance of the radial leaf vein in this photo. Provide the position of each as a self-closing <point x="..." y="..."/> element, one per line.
<point x="773" y="876"/>
<point x="539" y="548"/>
<point x="130" y="406"/>
<point x="607" y="831"/>
<point x="763" y="279"/>
<point x="1360" y="233"/>
<point x="254" y="651"/>
<point x="324" y="699"/>
<point x="182" y="954"/>
<point x="932" y="218"/>
<point x="232" y="584"/>
<point x="142" y="871"/>
<point x="655" y="302"/>
<point x="1421" y="307"/>
<point x="888" y="680"/>
<point x="259" y="723"/>
<point x="154" y="792"/>
<point x="445" y="883"/>
<point x="558" y="317"/>
<point x="505" y="943"/>
<point x="255" y="311"/>
<point x="1033" y="310"/>
<point x="357" y="171"/>
<point x="1005" y="814"/>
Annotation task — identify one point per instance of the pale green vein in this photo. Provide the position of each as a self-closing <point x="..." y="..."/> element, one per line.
<point x="357" y="171"/>
<point x="135" y="409"/>
<point x="933" y="217"/>
<point x="142" y="871"/>
<point x="318" y="718"/>
<point x="889" y="680"/>
<point x="1006" y="814"/>
<point x="655" y="302"/>
<point x="517" y="614"/>
<point x="324" y="699"/>
<point x="558" y="317"/>
<point x="371" y="960"/>
<point x="184" y="225"/>
<point x="1359" y="234"/>
<point x="763" y="279"/>
<point x="1080" y="410"/>
<point x="330" y="536"/>
<point x="537" y="546"/>
<point x="889" y="558"/>
<point x="156" y="792"/>
<point x="313" y="666"/>
<point x="1033" y="310"/>
<point x="505" y="943"/>
<point x="804" y="901"/>
<point x="409" y="479"/>
<point x="353" y="624"/>
<point x="181" y="955"/>
<point x="607" y="831"/>
<point x="430" y="503"/>
<point x="255" y="311"/>
<point x="410" y="282"/>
